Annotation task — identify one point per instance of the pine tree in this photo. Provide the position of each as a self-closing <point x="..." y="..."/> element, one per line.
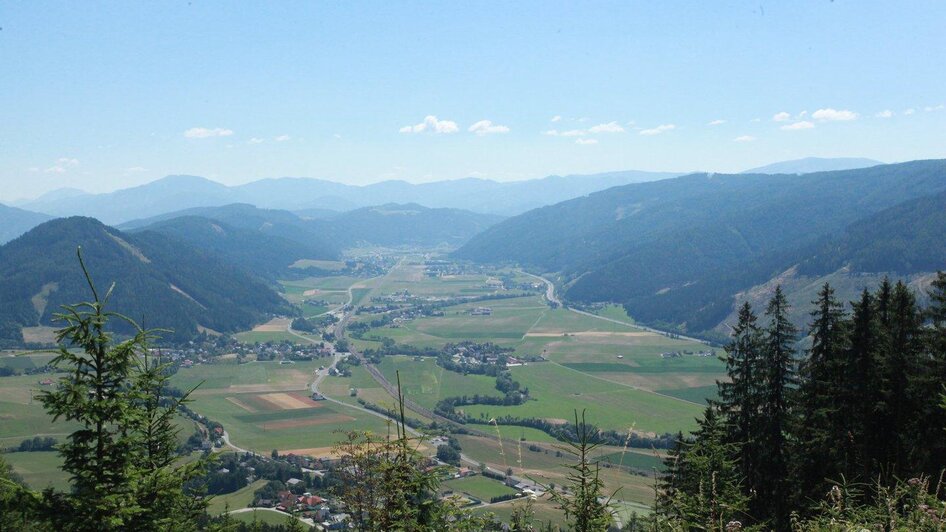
<point x="740" y="401"/>
<point x="861" y="395"/>
<point x="778" y="378"/>
<point x="708" y="493"/>
<point x="822" y="450"/>
<point x="121" y="461"/>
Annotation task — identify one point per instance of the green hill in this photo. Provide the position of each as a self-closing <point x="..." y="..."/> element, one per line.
<point x="407" y="224"/>
<point x="268" y="256"/>
<point x="169" y="283"/>
<point x="676" y="251"/>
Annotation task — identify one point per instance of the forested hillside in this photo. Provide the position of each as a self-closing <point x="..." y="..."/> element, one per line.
<point x="163" y="282"/>
<point x="267" y="255"/>
<point x="676" y="251"/>
<point x="14" y="222"/>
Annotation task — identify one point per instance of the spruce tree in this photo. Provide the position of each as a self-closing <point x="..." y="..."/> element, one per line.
<point x="740" y="401"/>
<point x="778" y="378"/>
<point x="822" y="450"/>
<point x="861" y="395"/>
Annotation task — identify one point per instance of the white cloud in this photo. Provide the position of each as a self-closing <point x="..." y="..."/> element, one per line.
<point x="556" y="118"/>
<point x="931" y="108"/>
<point x="834" y="115"/>
<point x="282" y="138"/>
<point x="716" y="122"/>
<point x="744" y="138"/>
<point x="135" y="169"/>
<point x="203" y="132"/>
<point x="803" y="124"/>
<point x="486" y="127"/>
<point x="256" y="140"/>
<point x="432" y="124"/>
<point x="886" y="113"/>
<point x="610" y="127"/>
<point x="781" y="117"/>
<point x="909" y="111"/>
<point x="658" y="130"/>
<point x="337" y="136"/>
<point x="756" y="120"/>
<point x="63" y="164"/>
<point x="586" y="141"/>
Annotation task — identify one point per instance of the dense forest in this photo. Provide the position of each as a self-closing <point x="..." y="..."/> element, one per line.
<point x="848" y="435"/>
<point x="165" y="283"/>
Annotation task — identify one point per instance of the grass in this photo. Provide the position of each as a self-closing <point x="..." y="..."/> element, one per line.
<point x="268" y="517"/>
<point x="479" y="487"/>
<point x="427" y="383"/>
<point x="545" y="512"/>
<point x="21" y="415"/>
<point x="328" y="265"/>
<point x="241" y="498"/>
<point x="39" y="469"/>
<point x="252" y="337"/>
<point x="559" y="391"/>
<point x="254" y="430"/>
<point x="699" y="394"/>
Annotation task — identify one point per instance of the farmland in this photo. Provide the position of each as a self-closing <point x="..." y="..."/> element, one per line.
<point x="265" y="405"/>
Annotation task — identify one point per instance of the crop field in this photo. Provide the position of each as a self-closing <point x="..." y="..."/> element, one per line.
<point x="478" y="487"/>
<point x="427" y="383"/>
<point x="558" y="391"/>
<point x="328" y="265"/>
<point x="39" y="469"/>
<point x="21" y="415"/>
<point x="546" y="467"/>
<point x="266" y="405"/>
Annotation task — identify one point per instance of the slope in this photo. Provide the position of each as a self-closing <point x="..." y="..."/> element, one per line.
<point x="14" y="222"/>
<point x="173" y="285"/>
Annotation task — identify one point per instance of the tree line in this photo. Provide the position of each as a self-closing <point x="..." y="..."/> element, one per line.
<point x="850" y="427"/>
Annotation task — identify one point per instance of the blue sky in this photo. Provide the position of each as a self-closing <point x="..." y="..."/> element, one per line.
<point x="103" y="96"/>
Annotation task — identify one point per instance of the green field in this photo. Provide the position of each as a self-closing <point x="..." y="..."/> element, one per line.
<point x="249" y="401"/>
<point x="233" y="501"/>
<point x="477" y="486"/>
<point x="268" y="517"/>
<point x="39" y="469"/>
<point x="559" y="391"/>
<point x="21" y="415"/>
<point x="252" y="337"/>
<point x="427" y="383"/>
<point x="328" y="265"/>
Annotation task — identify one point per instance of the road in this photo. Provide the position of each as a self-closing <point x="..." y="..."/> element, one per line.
<point x="552" y="298"/>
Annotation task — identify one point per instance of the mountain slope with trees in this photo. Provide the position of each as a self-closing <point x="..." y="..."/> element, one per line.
<point x="676" y="251"/>
<point x="14" y="222"/>
<point x="164" y="282"/>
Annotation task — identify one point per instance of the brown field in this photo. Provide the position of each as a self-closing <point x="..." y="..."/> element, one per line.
<point x="273" y="325"/>
<point x="39" y="335"/>
<point x="285" y="401"/>
<point x="308" y="422"/>
<point x="241" y="404"/>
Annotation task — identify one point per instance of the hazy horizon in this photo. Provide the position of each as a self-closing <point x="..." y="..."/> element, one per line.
<point x="109" y="98"/>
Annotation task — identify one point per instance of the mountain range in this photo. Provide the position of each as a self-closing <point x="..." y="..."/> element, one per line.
<point x="676" y="252"/>
<point x="163" y="282"/>
<point x="14" y="222"/>
<point x="174" y="193"/>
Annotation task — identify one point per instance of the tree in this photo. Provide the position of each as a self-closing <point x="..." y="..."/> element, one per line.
<point x="822" y="450"/>
<point x="707" y="492"/>
<point x="740" y="398"/>
<point x="778" y="378"/>
<point x="584" y="504"/>
<point x="120" y="461"/>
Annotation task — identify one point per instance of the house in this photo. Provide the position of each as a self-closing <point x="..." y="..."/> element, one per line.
<point x="310" y="502"/>
<point x="481" y="311"/>
<point x="293" y="481"/>
<point x="464" y="472"/>
<point x="285" y="500"/>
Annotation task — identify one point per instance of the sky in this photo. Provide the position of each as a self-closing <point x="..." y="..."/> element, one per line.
<point x="100" y="96"/>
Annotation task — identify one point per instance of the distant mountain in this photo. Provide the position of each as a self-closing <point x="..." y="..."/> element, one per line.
<point x="174" y="193"/>
<point x="395" y="224"/>
<point x="164" y="282"/>
<point x="14" y="222"/>
<point x="810" y="165"/>
<point x="310" y="236"/>
<point x="319" y="238"/>
<point x="675" y="251"/>
<point x="171" y="193"/>
<point x="266" y="255"/>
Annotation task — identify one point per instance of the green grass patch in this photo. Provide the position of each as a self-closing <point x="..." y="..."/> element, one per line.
<point x="40" y="469"/>
<point x="241" y="498"/>
<point x="478" y="487"/>
<point x="699" y="394"/>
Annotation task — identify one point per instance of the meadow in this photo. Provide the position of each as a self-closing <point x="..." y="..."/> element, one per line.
<point x="266" y="405"/>
<point x="478" y="487"/>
